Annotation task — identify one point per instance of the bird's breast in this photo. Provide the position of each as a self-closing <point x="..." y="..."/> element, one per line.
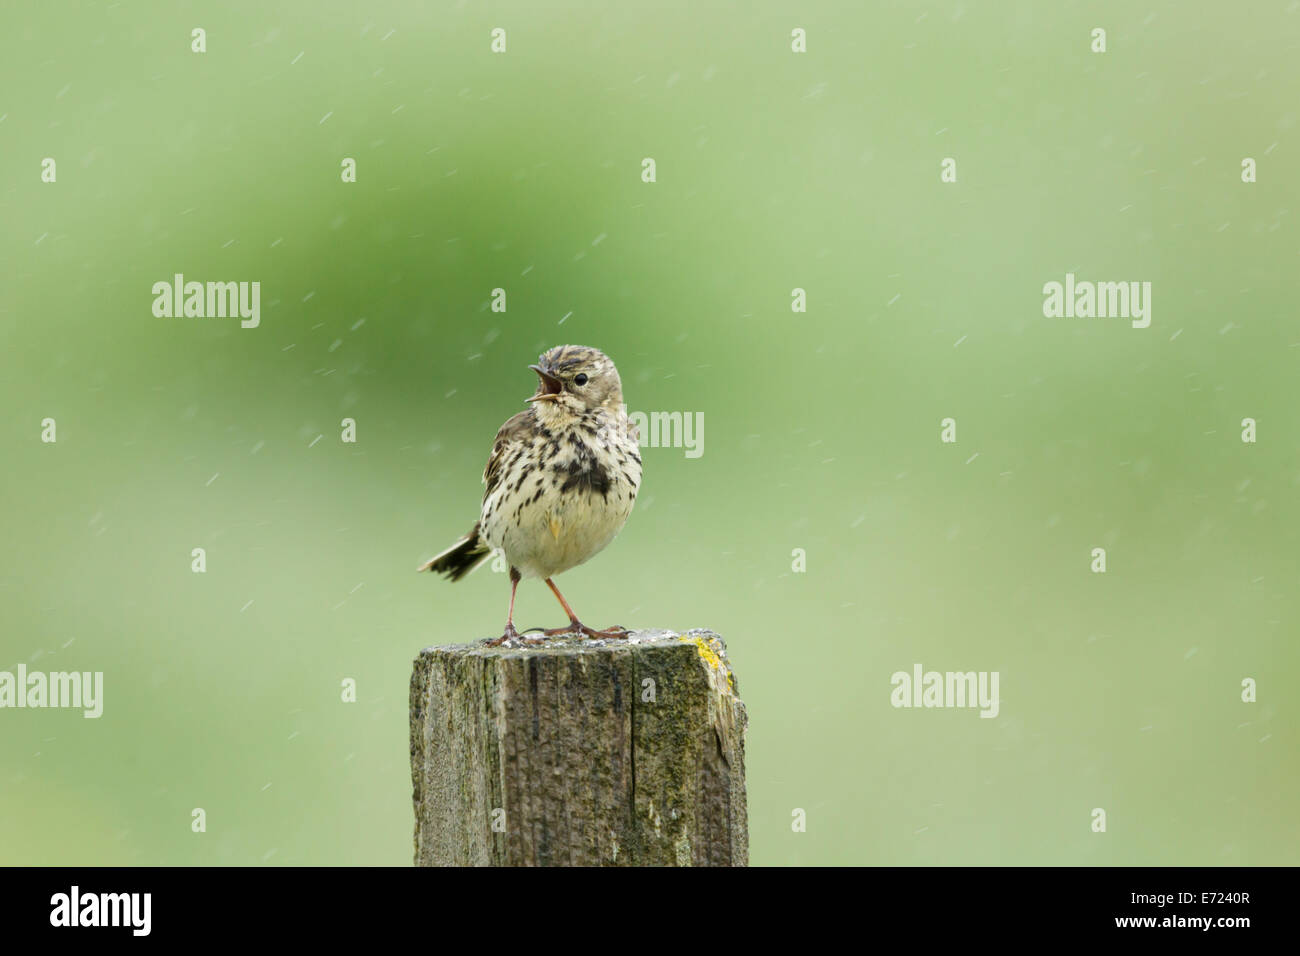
<point x="563" y="499"/>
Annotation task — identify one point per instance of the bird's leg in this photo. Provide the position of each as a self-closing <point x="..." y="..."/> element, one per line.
<point x="575" y="624"/>
<point x="510" y="633"/>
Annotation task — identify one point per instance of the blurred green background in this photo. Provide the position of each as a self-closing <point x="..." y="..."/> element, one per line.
<point x="775" y="171"/>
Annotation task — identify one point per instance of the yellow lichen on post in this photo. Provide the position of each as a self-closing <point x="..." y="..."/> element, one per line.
<point x="710" y="651"/>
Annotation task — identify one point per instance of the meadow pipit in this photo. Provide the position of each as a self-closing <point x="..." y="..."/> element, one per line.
<point x="561" y="481"/>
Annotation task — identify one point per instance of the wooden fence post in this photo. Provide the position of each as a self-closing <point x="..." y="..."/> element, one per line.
<point x="579" y="752"/>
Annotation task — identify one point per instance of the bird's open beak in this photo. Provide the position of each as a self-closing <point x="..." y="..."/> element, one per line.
<point x="548" y="386"/>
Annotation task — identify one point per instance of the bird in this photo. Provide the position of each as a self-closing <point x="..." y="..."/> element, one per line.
<point x="560" y="482"/>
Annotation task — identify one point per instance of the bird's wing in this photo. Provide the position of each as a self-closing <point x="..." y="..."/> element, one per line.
<point x="508" y="440"/>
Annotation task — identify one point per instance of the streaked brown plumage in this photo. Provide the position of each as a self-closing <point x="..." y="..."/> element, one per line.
<point x="560" y="482"/>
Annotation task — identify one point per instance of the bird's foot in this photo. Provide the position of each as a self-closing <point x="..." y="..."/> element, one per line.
<point x="577" y="627"/>
<point x="511" y="635"/>
<point x="618" y="631"/>
<point x="572" y="628"/>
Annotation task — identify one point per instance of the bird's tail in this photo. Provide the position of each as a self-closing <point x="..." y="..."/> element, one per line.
<point x="461" y="558"/>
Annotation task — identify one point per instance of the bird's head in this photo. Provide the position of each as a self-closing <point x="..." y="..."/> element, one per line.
<point x="575" y="378"/>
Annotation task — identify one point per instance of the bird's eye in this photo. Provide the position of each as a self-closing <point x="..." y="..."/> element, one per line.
<point x="580" y="378"/>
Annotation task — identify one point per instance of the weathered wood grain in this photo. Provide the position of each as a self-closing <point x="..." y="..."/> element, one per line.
<point x="579" y="753"/>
